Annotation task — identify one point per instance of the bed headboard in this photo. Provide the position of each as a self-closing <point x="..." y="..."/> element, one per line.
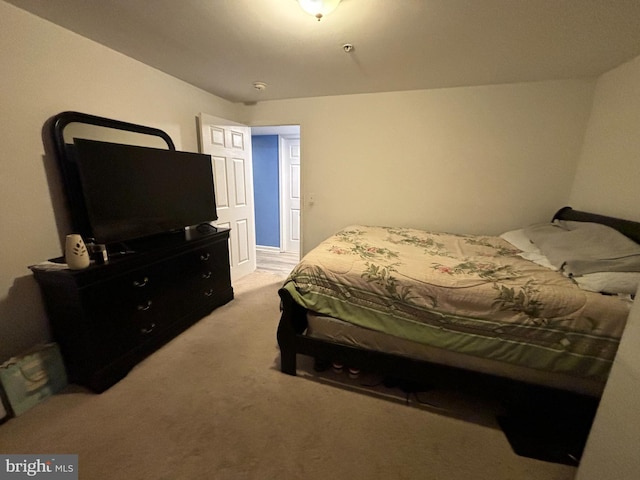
<point x="626" y="227"/>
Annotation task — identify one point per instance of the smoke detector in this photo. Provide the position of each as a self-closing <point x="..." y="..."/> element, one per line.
<point x="259" y="86"/>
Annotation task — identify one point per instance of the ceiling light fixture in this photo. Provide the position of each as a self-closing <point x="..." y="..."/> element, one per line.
<point x="318" y="8"/>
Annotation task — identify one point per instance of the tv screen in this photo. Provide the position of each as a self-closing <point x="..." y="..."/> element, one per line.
<point x="131" y="192"/>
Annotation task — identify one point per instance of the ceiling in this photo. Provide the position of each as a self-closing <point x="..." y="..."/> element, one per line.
<point x="224" y="46"/>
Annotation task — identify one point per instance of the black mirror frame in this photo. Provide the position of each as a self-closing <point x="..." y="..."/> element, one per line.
<point x="53" y="136"/>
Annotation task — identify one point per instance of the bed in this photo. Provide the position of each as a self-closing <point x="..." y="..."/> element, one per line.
<point x="430" y="306"/>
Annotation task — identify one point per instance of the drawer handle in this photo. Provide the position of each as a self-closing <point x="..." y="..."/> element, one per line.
<point x="206" y="275"/>
<point x="204" y="257"/>
<point x="142" y="283"/>
<point x="147" y="331"/>
<point x="144" y="307"/>
<point x="208" y="293"/>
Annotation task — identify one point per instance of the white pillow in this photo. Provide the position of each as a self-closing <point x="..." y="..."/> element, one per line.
<point x="606" y="282"/>
<point x="530" y="252"/>
<point x="579" y="248"/>
<point x="609" y="282"/>
<point x="520" y="240"/>
<point x="539" y="258"/>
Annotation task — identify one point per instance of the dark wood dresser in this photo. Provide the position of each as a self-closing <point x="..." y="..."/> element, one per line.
<point x="107" y="318"/>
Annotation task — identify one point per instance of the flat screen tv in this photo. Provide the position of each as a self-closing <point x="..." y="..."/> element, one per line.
<point x="131" y="192"/>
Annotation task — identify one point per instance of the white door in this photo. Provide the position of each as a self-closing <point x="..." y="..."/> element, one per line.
<point x="290" y="182"/>
<point x="229" y="144"/>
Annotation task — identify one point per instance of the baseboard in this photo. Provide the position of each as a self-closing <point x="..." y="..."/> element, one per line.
<point x="265" y="248"/>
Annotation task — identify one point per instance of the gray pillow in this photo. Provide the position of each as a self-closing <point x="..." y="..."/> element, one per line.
<point x="578" y="248"/>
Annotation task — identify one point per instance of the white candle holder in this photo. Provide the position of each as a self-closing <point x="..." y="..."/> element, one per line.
<point x="75" y="252"/>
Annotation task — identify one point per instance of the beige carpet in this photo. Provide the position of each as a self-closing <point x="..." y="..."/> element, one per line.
<point x="212" y="404"/>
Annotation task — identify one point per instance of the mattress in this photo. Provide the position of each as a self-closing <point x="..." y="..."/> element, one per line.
<point x="335" y="330"/>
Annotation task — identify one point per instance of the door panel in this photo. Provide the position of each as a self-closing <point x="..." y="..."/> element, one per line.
<point x="242" y="230"/>
<point x="239" y="170"/>
<point x="220" y="182"/>
<point x="290" y="217"/>
<point x="229" y="145"/>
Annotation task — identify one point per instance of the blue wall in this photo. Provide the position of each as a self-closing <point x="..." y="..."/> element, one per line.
<point x="266" y="189"/>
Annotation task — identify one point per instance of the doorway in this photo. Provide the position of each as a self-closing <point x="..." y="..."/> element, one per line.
<point x="277" y="194"/>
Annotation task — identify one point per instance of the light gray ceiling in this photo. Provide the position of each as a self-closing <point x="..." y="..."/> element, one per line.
<point x="223" y="46"/>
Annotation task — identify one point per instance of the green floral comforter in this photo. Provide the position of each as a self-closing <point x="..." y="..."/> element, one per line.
<point x="469" y="294"/>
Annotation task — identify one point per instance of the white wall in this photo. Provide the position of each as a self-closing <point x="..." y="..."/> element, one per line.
<point x="609" y="169"/>
<point x="607" y="181"/>
<point x="471" y="160"/>
<point x="47" y="70"/>
<point x="612" y="448"/>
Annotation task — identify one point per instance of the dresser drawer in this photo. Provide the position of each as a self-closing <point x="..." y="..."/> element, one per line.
<point x="209" y="275"/>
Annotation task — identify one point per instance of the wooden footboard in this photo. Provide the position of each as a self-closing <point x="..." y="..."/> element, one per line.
<point x="293" y="323"/>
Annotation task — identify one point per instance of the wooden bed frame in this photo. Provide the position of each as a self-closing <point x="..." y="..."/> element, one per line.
<point x="293" y="341"/>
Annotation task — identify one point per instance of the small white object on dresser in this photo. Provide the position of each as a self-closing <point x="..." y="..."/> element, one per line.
<point x="75" y="252"/>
